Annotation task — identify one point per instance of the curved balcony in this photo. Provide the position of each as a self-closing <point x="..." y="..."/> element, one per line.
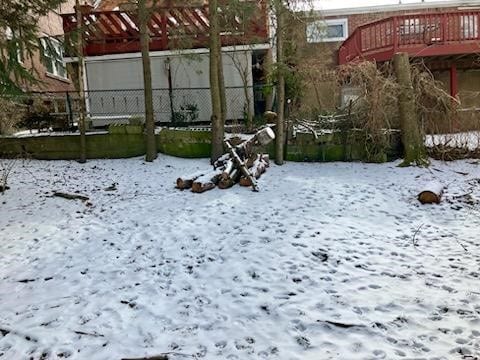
<point x="419" y="35"/>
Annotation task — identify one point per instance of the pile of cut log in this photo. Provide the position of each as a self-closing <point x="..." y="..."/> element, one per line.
<point x="240" y="164"/>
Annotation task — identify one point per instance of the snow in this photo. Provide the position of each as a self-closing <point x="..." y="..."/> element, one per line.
<point x="36" y="133"/>
<point x="327" y="261"/>
<point x="468" y="140"/>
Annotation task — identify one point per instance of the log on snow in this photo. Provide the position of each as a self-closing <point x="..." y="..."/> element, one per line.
<point x="229" y="167"/>
<point x="241" y="164"/>
<point x="258" y="168"/>
<point x="230" y="180"/>
<point x="431" y="193"/>
<point x="186" y="182"/>
<point x="206" y="182"/>
<point x="221" y="161"/>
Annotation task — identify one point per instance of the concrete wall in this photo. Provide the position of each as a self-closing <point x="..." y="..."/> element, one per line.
<point x="190" y="84"/>
<point x="124" y="142"/>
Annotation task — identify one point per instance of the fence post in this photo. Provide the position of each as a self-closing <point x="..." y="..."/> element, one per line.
<point x="69" y="110"/>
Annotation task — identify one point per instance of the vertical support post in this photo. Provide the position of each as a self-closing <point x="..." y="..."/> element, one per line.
<point x="358" y="42"/>
<point x="443" y="28"/>
<point x="395" y="34"/>
<point x="164" y="30"/>
<point x="453" y="80"/>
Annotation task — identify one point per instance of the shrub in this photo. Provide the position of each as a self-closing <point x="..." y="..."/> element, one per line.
<point x="11" y="115"/>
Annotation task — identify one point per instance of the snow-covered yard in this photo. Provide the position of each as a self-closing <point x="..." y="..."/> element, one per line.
<point x="321" y="264"/>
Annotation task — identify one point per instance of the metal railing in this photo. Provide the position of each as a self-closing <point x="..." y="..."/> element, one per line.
<point x="449" y="32"/>
<point x="170" y="27"/>
<point x="175" y="107"/>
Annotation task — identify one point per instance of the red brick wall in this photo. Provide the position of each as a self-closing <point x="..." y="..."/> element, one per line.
<point x="50" y="25"/>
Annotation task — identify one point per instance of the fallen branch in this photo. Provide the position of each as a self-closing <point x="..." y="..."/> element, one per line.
<point x="162" y="356"/>
<point x="157" y="357"/>
<point x="94" y="334"/>
<point x="340" y="325"/>
<point x="71" y="196"/>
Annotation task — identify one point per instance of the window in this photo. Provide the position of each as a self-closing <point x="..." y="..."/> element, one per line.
<point x="330" y="30"/>
<point x="53" y="56"/>
<point x="16" y="47"/>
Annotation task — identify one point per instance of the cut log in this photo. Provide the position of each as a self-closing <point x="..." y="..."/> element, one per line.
<point x="186" y="182"/>
<point x="206" y="182"/>
<point x="265" y="136"/>
<point x="245" y="181"/>
<point x="229" y="181"/>
<point x="262" y="137"/>
<point x="229" y="167"/>
<point x="258" y="168"/>
<point x="199" y="187"/>
<point x="266" y="159"/>
<point x="241" y="165"/>
<point x="221" y="161"/>
<point x="270" y="116"/>
<point x="431" y="193"/>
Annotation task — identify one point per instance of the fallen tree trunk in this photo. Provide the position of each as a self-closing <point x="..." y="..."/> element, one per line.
<point x="431" y="193"/>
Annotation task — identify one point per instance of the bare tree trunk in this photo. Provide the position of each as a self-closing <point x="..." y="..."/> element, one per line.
<point x="215" y="88"/>
<point x="412" y="137"/>
<point x="81" y="93"/>
<point x="280" y="128"/>
<point x="144" y="16"/>
<point x="268" y="65"/>
<point x="244" y="72"/>
<point x="221" y="83"/>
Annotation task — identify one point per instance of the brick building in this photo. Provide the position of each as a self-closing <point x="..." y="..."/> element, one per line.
<point x="48" y="62"/>
<point x="444" y="35"/>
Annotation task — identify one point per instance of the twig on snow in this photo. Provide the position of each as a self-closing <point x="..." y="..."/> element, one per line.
<point x="162" y="356"/>
<point x="414" y="241"/>
<point x="95" y="334"/>
<point x="70" y="196"/>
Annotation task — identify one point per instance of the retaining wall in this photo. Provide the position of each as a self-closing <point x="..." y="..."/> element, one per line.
<point x="128" y="141"/>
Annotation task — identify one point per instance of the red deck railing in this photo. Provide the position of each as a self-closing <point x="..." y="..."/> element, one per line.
<point x="420" y="35"/>
<point x="113" y="32"/>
